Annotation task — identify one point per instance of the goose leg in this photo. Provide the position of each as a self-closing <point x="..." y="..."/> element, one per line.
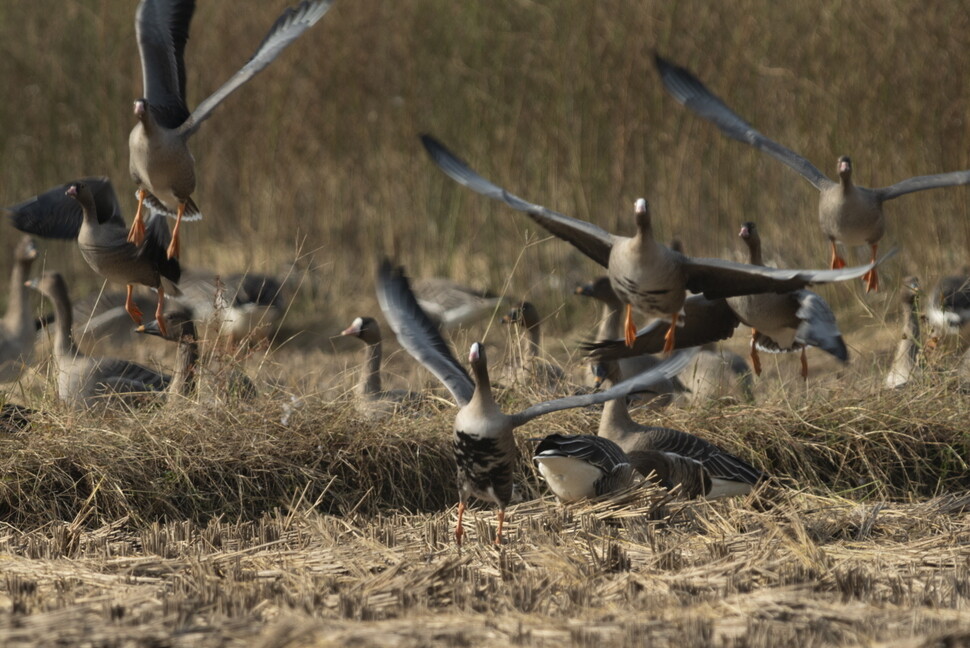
<point x="159" y="317"/>
<point x="629" y="328"/>
<point x="837" y="261"/>
<point x="173" y="247"/>
<point x="137" y="233"/>
<point x="804" y="365"/>
<point x="501" y="523"/>
<point x="871" y="278"/>
<point x="459" y="529"/>
<point x="669" y="338"/>
<point x="755" y="357"/>
<point x="131" y="308"/>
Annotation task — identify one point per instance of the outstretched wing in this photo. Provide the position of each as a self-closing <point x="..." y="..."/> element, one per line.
<point x="53" y="214"/>
<point x="919" y="183"/>
<point x="162" y="28"/>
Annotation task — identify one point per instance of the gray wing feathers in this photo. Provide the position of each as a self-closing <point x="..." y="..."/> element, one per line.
<point x="162" y="28"/>
<point x="719" y="464"/>
<point x="594" y="450"/>
<point x="418" y="334"/>
<point x="817" y="325"/>
<point x="919" y="183"/>
<point x="55" y="215"/>
<point x="287" y="28"/>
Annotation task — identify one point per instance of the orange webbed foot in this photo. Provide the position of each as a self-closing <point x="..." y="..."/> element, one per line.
<point x="629" y="328"/>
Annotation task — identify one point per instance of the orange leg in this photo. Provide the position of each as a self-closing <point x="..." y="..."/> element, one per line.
<point x="159" y="317"/>
<point x="837" y="261"/>
<point x="137" y="232"/>
<point x="629" y="328"/>
<point x="131" y="308"/>
<point x="501" y="523"/>
<point x="669" y="338"/>
<point x="804" y="365"/>
<point x="459" y="529"/>
<point x="871" y="278"/>
<point x="173" y="247"/>
<point x="755" y="357"/>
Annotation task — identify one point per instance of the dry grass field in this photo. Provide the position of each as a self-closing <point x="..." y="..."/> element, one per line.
<point x="291" y="521"/>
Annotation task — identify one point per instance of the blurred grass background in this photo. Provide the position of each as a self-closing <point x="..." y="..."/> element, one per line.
<point x="317" y="160"/>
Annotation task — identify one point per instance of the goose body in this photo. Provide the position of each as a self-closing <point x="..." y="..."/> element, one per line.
<point x="907" y="359"/>
<point x="452" y="304"/>
<point x="582" y="466"/>
<point x="17" y="328"/>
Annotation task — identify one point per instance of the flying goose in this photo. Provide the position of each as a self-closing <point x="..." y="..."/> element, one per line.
<point x="948" y="310"/>
<point x="452" y="304"/>
<point x="785" y="322"/>
<point x="373" y="401"/>
<point x="847" y="212"/>
<point x="160" y="162"/>
<point x="727" y="475"/>
<point x="907" y="361"/>
<point x="84" y="380"/>
<point x="645" y="274"/>
<point x="88" y="210"/>
<point x="530" y="368"/>
<point x="483" y="440"/>
<point x="18" y="329"/>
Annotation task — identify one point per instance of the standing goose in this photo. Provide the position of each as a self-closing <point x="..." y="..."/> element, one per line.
<point x="847" y="212"/>
<point x="785" y="322"/>
<point x="88" y="210"/>
<point x="530" y="368"/>
<point x="160" y="162"/>
<point x="907" y="361"/>
<point x="727" y="475"/>
<point x="373" y="401"/>
<point x="646" y="275"/>
<point x="18" y="329"/>
<point x="483" y="440"/>
<point x="83" y="380"/>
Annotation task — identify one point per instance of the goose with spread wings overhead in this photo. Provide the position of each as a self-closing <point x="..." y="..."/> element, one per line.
<point x="483" y="441"/>
<point x="160" y="161"/>
<point x="647" y="275"/>
<point x="847" y="212"/>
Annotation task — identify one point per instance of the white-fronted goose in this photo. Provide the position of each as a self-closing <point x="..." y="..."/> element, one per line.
<point x="948" y="311"/>
<point x="373" y="401"/>
<point x="582" y="466"/>
<point x="908" y="358"/>
<point x="84" y="380"/>
<point x="483" y="440"/>
<point x="452" y="304"/>
<point x="529" y="367"/>
<point x="88" y="210"/>
<point x="18" y="330"/>
<point x="847" y="212"/>
<point x="160" y="162"/>
<point x="728" y="474"/>
<point x="786" y="322"/>
<point x="645" y="274"/>
<point x="242" y="306"/>
<point x="716" y="374"/>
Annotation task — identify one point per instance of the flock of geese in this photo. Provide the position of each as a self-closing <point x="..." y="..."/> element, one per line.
<point x="692" y="302"/>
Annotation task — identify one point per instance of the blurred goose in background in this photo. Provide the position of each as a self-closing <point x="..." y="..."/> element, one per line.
<point x="530" y="368"/>
<point x="483" y="440"/>
<point x="948" y="311"/>
<point x="84" y="380"/>
<point x="907" y="361"/>
<point x="451" y="304"/>
<point x="785" y="322"/>
<point x="716" y="375"/>
<point x="160" y="162"/>
<point x="18" y="330"/>
<point x="101" y="321"/>
<point x="727" y="475"/>
<point x="373" y="401"/>
<point x="88" y="210"/>
<point x="243" y="306"/>
<point x="847" y="212"/>
<point x="645" y="274"/>
<point x="582" y="466"/>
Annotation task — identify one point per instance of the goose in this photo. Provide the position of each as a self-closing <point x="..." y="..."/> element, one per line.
<point x="242" y="306"/>
<point x="582" y="466"/>
<point x="483" y="439"/>
<point x="88" y="210"/>
<point x="906" y="363"/>
<point x="373" y="401"/>
<point x="530" y="368"/>
<point x="948" y="310"/>
<point x="847" y="212"/>
<point x="18" y="330"/>
<point x="160" y="162"/>
<point x="100" y="318"/>
<point x="83" y="381"/>
<point x="785" y="322"/>
<point x="715" y="375"/>
<point x="645" y="274"/>
<point x="452" y="304"/>
<point x="727" y="475"/>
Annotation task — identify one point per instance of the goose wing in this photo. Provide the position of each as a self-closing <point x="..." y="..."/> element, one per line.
<point x="162" y="29"/>
<point x="55" y="215"/>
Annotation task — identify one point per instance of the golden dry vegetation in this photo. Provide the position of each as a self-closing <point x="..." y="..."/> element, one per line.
<point x="214" y="523"/>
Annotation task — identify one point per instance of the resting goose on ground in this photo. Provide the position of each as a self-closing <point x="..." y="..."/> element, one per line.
<point x="160" y="162"/>
<point x="88" y="210"/>
<point x="452" y="304"/>
<point x="645" y="274"/>
<point x="373" y="401"/>
<point x="948" y="310"/>
<point x="582" y="466"/>
<point x="483" y="435"/>
<point x="716" y="374"/>
<point x="18" y="330"/>
<point x="728" y="475"/>
<point x="847" y="212"/>
<point x="84" y="380"/>
<point x="907" y="361"/>
<point x="785" y="322"/>
<point x="529" y="367"/>
<point x="242" y="306"/>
